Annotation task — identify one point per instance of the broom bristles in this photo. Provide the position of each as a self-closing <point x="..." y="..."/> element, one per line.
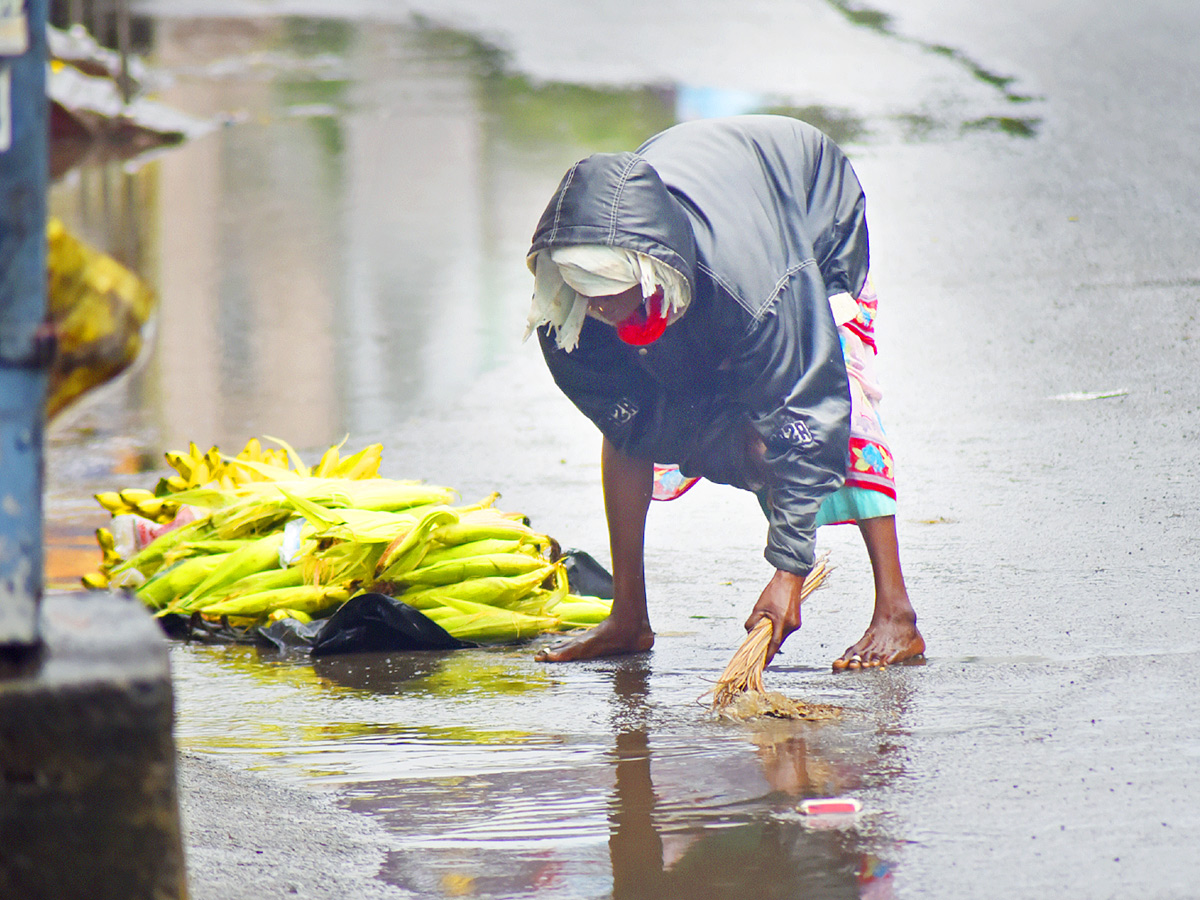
<point x="744" y="672"/>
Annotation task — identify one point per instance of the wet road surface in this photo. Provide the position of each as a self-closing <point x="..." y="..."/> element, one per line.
<point x="1032" y="195"/>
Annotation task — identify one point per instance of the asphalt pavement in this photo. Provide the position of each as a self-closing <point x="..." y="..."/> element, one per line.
<point x="247" y="835"/>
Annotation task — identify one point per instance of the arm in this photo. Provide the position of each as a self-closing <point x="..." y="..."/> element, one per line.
<point x="793" y="382"/>
<point x="791" y="379"/>
<point x="600" y="380"/>
<point x="628" y="484"/>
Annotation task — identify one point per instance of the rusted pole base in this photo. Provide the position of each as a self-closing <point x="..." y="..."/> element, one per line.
<point x="89" y="806"/>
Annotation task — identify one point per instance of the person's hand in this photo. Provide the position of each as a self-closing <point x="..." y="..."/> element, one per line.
<point x="780" y="603"/>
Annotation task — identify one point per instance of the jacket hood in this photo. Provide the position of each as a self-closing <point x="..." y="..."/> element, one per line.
<point x="618" y="200"/>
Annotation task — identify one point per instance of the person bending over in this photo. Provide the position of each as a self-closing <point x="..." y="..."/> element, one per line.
<point x="705" y="301"/>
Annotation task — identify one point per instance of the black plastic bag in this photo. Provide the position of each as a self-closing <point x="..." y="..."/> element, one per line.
<point x="376" y="622"/>
<point x="586" y="576"/>
<point x="381" y="623"/>
<point x="366" y="622"/>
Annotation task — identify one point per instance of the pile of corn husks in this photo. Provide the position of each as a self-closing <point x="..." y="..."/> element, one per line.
<point x="246" y="540"/>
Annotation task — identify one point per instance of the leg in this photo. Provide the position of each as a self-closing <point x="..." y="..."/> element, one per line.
<point x="628" y="484"/>
<point x="892" y="635"/>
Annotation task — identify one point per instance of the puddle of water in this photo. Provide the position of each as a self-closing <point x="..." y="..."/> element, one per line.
<point x="637" y="792"/>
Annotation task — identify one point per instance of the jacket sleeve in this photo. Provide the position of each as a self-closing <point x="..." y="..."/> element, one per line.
<point x="791" y="378"/>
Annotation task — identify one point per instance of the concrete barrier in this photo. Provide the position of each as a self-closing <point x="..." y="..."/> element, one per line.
<point x="89" y="805"/>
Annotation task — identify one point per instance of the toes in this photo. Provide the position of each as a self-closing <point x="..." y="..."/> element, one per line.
<point x="876" y="657"/>
<point x="848" y="660"/>
<point x="856" y="661"/>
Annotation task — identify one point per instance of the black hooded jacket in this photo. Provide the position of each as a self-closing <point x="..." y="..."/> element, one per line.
<point x="766" y="219"/>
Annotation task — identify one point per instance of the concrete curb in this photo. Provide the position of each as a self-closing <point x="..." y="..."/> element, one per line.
<point x="88" y="800"/>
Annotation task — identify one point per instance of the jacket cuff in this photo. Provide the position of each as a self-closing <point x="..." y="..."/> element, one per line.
<point x="798" y="560"/>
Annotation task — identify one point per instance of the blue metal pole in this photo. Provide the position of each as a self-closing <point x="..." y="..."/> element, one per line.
<point x="26" y="348"/>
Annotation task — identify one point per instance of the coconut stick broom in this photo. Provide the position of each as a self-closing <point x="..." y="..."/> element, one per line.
<point x="744" y="672"/>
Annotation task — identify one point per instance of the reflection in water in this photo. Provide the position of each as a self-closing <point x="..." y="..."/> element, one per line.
<point x="637" y="797"/>
<point x="768" y="855"/>
<point x="331" y="720"/>
<point x="455" y="673"/>
<point x="634" y="845"/>
<point x="378" y="672"/>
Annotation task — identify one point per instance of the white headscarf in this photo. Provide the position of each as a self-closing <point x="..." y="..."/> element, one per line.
<point x="565" y="277"/>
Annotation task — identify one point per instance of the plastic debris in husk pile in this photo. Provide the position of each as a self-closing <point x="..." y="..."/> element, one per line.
<point x="233" y="544"/>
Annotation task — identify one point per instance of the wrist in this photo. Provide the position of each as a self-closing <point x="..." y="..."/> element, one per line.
<point x="788" y="581"/>
<point x="786" y="577"/>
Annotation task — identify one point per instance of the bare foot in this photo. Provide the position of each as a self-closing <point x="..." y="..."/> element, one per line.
<point x="606" y="639"/>
<point x="887" y="641"/>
